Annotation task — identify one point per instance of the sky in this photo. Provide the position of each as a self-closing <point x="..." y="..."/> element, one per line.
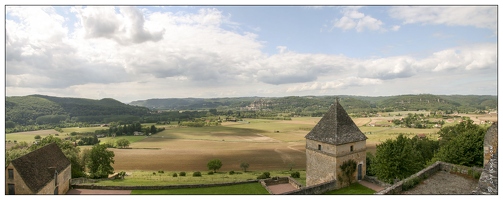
<point x="133" y="53"/>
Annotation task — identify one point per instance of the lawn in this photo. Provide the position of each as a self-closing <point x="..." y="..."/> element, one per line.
<point x="354" y="188"/>
<point x="239" y="189"/>
<point x="147" y="178"/>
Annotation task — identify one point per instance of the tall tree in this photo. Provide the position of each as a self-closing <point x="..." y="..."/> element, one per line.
<point x="396" y="159"/>
<point x="244" y="166"/>
<point x="100" y="160"/>
<point x="214" y="164"/>
<point x="462" y="144"/>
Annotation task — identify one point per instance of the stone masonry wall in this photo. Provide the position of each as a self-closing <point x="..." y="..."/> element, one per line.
<point x="157" y="187"/>
<point x="315" y="189"/>
<point x="429" y="171"/>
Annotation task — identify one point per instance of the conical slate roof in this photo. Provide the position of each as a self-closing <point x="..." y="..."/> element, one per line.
<point x="336" y="127"/>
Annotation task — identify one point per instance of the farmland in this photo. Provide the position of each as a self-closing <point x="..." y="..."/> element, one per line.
<point x="264" y="144"/>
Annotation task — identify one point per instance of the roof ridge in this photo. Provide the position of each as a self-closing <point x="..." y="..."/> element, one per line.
<point x="336" y="127"/>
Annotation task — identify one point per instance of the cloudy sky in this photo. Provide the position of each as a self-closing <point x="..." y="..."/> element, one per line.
<point x="140" y="52"/>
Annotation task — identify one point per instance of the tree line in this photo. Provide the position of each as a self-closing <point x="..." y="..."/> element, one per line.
<point x="396" y="159"/>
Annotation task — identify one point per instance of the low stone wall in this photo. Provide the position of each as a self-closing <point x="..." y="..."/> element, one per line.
<point x="452" y="168"/>
<point x="397" y="188"/>
<point x="426" y="172"/>
<point x="158" y="187"/>
<point x="315" y="189"/>
<point x="279" y="180"/>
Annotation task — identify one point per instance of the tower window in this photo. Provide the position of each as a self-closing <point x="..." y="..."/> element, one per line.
<point x="319" y="147"/>
<point x="351" y="148"/>
<point x="11" y="173"/>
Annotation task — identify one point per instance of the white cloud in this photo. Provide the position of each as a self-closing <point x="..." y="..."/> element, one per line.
<point x="353" y="19"/>
<point x="477" y="16"/>
<point x="193" y="55"/>
<point x="331" y="85"/>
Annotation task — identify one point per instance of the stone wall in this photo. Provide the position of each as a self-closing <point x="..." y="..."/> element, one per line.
<point x="279" y="180"/>
<point x="158" y="187"/>
<point x="429" y="171"/>
<point x="488" y="182"/>
<point x="315" y="189"/>
<point x="490" y="142"/>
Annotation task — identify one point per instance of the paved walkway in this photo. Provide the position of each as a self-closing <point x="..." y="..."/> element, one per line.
<point x="370" y="185"/>
<point x="281" y="188"/>
<point x="87" y="191"/>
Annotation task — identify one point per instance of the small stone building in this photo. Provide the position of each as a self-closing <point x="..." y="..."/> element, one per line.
<point x="43" y="171"/>
<point x="335" y="139"/>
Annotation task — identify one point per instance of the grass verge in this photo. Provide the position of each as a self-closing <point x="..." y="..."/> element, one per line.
<point x="354" y="188"/>
<point x="239" y="189"/>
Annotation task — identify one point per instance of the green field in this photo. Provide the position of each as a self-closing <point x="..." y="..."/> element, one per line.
<point x="83" y="129"/>
<point x="147" y="178"/>
<point x="239" y="189"/>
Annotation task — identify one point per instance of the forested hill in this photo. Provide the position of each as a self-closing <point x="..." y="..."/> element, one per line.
<point x="33" y="108"/>
<point x="460" y="103"/>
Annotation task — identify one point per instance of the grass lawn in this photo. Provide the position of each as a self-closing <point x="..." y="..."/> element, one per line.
<point x="354" y="188"/>
<point x="166" y="178"/>
<point x="246" y="188"/>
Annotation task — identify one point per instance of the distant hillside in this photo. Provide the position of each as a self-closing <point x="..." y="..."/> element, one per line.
<point x="461" y="103"/>
<point x="193" y="103"/>
<point x="28" y="109"/>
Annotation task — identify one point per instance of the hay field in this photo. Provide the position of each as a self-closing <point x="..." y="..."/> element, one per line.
<point x="264" y="144"/>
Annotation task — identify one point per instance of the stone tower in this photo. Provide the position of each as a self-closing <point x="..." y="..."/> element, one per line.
<point x="335" y="139"/>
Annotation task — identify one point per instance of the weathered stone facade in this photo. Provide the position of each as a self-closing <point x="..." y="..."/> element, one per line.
<point x="490" y="142"/>
<point x="335" y="139"/>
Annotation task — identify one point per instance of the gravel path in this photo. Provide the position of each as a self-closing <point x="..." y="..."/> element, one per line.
<point x="444" y="183"/>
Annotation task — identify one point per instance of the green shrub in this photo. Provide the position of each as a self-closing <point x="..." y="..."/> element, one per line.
<point x="210" y="173"/>
<point x="264" y="175"/>
<point x="295" y="175"/>
<point x="175" y="175"/>
<point x="182" y="173"/>
<point x="161" y="172"/>
<point x="476" y="175"/>
<point x="239" y="172"/>
<point x="196" y="174"/>
<point x="231" y="172"/>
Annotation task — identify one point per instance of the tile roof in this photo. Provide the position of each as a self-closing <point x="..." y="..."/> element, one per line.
<point x="336" y="127"/>
<point x="35" y="167"/>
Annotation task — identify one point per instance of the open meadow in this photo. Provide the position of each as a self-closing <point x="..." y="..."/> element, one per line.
<point x="264" y="144"/>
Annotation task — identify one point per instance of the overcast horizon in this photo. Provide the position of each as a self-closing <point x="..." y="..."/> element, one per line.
<point x="144" y="52"/>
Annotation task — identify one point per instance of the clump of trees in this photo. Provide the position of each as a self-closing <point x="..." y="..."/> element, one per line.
<point x="122" y="143"/>
<point x="401" y="157"/>
<point x="461" y="144"/>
